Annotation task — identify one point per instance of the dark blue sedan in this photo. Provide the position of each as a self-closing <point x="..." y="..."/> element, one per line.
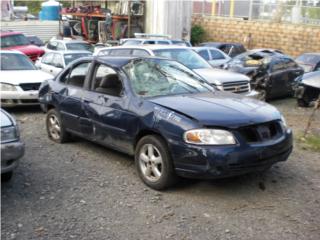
<point x="166" y="116"/>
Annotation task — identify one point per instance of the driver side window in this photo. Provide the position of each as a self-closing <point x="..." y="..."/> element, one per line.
<point x="106" y="81"/>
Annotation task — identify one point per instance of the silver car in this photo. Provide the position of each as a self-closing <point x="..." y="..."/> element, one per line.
<point x="11" y="146"/>
<point x="54" y="62"/>
<point x="214" y="56"/>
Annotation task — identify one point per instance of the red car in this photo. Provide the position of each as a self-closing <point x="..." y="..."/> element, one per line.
<point x="17" y="41"/>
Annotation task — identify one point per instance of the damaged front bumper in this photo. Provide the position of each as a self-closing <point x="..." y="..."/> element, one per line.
<point x="210" y="162"/>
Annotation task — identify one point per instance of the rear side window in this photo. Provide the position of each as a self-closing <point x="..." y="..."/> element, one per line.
<point x="47" y="59"/>
<point x="204" y="54"/>
<point x="77" y="75"/>
<point x="215" y="55"/>
<point x="104" y="53"/>
<point x="60" y="47"/>
<point x="149" y="42"/>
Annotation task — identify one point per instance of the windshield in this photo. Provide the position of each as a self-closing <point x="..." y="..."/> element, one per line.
<point x="11" y="61"/>
<point x="186" y="56"/>
<point x="68" y="58"/>
<point x="79" y="46"/>
<point x="14" y="40"/>
<point x="159" y="77"/>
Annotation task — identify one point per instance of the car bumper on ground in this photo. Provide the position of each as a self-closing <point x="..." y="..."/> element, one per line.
<point x="17" y="98"/>
<point x="10" y="154"/>
<point x="207" y="162"/>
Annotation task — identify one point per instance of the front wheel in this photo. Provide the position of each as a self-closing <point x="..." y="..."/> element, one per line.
<point x="153" y="162"/>
<point x="6" y="177"/>
<point x="55" y="129"/>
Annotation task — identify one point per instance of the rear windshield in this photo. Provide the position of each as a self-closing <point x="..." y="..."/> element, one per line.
<point x="308" y="59"/>
<point x="187" y="57"/>
<point x="14" y="40"/>
<point x="68" y="58"/>
<point x="79" y="46"/>
<point x="11" y="61"/>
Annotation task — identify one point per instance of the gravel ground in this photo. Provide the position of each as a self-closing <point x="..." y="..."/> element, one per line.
<point x="80" y="190"/>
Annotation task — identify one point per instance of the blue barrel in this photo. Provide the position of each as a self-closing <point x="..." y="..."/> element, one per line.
<point x="50" y="10"/>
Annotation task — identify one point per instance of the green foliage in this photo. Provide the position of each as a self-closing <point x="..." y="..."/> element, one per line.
<point x="197" y="34"/>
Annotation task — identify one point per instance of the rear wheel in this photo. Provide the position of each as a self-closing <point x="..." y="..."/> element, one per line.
<point x="55" y="129"/>
<point x="153" y="162"/>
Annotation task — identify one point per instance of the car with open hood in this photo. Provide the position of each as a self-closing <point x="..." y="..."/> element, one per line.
<point x="166" y="116"/>
<point x="19" y="80"/>
<point x="272" y="73"/>
<point x="308" y="88"/>
<point x="219" y="78"/>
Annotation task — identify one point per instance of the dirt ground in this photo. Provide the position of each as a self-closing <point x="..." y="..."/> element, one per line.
<point x="81" y="190"/>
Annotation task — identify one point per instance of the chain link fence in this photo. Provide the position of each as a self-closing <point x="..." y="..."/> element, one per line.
<point x="290" y="11"/>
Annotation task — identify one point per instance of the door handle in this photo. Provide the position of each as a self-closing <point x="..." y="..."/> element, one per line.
<point x="50" y="70"/>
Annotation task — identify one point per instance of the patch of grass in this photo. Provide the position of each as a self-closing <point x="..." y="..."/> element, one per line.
<point x="310" y="142"/>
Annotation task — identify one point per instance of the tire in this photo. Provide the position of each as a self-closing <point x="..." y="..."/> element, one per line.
<point x="154" y="163"/>
<point x="6" y="177"/>
<point x="302" y="103"/>
<point x="55" y="129"/>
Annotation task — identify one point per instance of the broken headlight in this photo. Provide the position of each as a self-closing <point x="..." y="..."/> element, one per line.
<point x="209" y="137"/>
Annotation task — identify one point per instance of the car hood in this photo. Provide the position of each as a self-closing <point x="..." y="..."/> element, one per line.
<point x="220" y="109"/>
<point x="312" y="79"/>
<point x="219" y="76"/>
<point x="28" y="49"/>
<point x="16" y="77"/>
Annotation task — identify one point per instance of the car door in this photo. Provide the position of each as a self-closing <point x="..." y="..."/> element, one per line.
<point x="278" y="78"/>
<point x="71" y="95"/>
<point x="57" y="64"/>
<point x="105" y="104"/>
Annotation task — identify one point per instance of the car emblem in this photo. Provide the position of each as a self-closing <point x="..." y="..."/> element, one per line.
<point x="237" y="89"/>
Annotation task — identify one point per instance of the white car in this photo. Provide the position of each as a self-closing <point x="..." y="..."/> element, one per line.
<point x="54" y="62"/>
<point x="68" y="45"/>
<point x="214" y="56"/>
<point x="19" y="79"/>
<point x="220" y="79"/>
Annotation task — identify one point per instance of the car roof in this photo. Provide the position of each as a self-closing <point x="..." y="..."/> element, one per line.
<point x="12" y="52"/>
<point x="149" y="47"/>
<point x="221" y="43"/>
<point x="8" y="33"/>
<point x="68" y="41"/>
<point x="315" y="54"/>
<point x="204" y="48"/>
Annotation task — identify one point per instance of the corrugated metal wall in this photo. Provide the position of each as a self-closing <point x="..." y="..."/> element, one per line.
<point x="171" y="17"/>
<point x="43" y="29"/>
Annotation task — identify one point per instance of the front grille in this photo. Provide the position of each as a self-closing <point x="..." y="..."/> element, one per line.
<point x="261" y="132"/>
<point x="30" y="86"/>
<point x="236" y="87"/>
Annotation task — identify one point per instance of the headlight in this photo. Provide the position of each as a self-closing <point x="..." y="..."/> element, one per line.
<point x="7" y="87"/>
<point x="283" y="120"/>
<point x="9" y="134"/>
<point x="209" y="137"/>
